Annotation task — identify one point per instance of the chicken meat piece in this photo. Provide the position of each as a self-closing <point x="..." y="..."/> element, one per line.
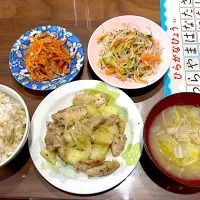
<point x="119" y="142"/>
<point x="84" y="99"/>
<point x="122" y="126"/>
<point x="112" y="119"/>
<point x="62" y="152"/>
<point x="92" y="123"/>
<point x="71" y="113"/>
<point x="100" y="98"/>
<point x="53" y="141"/>
<point x="58" y="128"/>
<point x="106" y="168"/>
<point x="67" y="137"/>
<point x="88" y="164"/>
<point x="53" y="138"/>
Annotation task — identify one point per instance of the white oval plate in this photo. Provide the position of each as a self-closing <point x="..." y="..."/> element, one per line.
<point x="143" y="25"/>
<point x="63" y="176"/>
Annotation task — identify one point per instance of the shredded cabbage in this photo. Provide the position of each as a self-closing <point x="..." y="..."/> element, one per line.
<point x="180" y="139"/>
<point x="189" y="152"/>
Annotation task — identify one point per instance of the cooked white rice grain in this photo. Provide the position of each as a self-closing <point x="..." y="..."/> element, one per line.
<point x="12" y="125"/>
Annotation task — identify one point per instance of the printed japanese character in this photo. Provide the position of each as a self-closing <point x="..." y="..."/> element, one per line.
<point x="175" y="41"/>
<point x="191" y="50"/>
<point x="173" y="28"/>
<point x="198" y="13"/>
<point x="196" y="78"/>
<point x="176" y="58"/>
<point x="196" y="89"/>
<point x="187" y="13"/>
<point x="186" y="2"/>
<point x="190" y="65"/>
<point x="175" y="49"/>
<point x="177" y="67"/>
<point x="187" y="35"/>
<point x="176" y="34"/>
<point x="177" y="75"/>
<point x="188" y="24"/>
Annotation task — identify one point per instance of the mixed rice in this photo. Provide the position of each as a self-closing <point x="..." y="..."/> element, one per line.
<point x="12" y="125"/>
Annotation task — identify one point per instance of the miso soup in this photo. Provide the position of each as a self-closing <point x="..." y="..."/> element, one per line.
<point x="175" y="141"/>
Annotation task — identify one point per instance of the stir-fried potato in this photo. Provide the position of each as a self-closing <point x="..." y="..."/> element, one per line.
<point x="86" y="138"/>
<point x="99" y="152"/>
<point x="49" y="155"/>
<point x="74" y="156"/>
<point x="102" y="136"/>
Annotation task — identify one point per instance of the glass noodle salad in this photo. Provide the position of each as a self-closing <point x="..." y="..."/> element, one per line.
<point x="129" y="54"/>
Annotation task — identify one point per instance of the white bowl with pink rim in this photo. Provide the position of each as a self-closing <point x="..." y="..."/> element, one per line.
<point x="143" y="25"/>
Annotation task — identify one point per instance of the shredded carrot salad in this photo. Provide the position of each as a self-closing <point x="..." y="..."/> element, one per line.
<point x="47" y="57"/>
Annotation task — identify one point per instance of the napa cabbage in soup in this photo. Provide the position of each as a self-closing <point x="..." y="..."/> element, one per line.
<point x="175" y="141"/>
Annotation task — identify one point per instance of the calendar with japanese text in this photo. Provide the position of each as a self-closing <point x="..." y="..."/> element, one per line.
<point x="181" y="20"/>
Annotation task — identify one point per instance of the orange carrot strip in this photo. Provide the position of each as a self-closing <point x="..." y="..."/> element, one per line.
<point x="138" y="79"/>
<point x="114" y="43"/>
<point x="119" y="74"/>
<point x="118" y="47"/>
<point x="150" y="57"/>
<point x="131" y="33"/>
<point x="123" y="40"/>
<point x="46" y="57"/>
<point x="102" y="37"/>
<point x="121" y="61"/>
<point x="109" y="70"/>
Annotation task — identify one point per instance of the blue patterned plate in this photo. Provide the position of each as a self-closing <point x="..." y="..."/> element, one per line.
<point x="17" y="65"/>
